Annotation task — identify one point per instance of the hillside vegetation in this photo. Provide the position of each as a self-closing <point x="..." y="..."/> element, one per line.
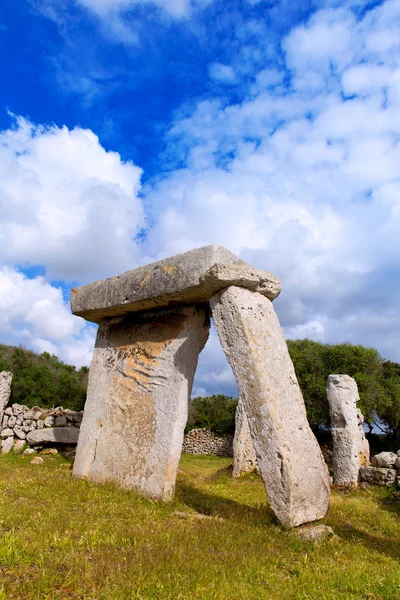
<point x="46" y="381"/>
<point x="378" y="383"/>
<point x="65" y="539"/>
<point x="43" y="380"/>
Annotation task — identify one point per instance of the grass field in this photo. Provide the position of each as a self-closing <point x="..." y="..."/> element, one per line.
<point x="67" y="539"/>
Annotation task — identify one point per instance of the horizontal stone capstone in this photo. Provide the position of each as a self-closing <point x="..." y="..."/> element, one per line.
<point x="189" y="278"/>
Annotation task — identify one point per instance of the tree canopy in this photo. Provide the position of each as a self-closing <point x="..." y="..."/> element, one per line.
<point x="43" y="380"/>
<point x="214" y="412"/>
<point x="378" y="381"/>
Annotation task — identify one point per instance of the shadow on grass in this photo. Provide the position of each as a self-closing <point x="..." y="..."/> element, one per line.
<point x="388" y="547"/>
<point x="391" y="503"/>
<point x="217" y="506"/>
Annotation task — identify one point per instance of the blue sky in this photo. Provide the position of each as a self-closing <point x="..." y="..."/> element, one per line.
<point x="132" y="130"/>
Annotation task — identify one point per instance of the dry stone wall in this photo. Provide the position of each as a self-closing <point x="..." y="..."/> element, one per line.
<point x="38" y="427"/>
<point x="205" y="441"/>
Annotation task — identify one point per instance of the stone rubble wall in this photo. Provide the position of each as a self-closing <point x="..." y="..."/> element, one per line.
<point x="205" y="441"/>
<point x="384" y="470"/>
<point x="20" y="421"/>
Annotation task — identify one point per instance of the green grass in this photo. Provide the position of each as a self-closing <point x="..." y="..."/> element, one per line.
<point x="67" y="539"/>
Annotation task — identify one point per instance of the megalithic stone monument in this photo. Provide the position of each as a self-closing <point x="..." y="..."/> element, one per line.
<point x="5" y="391"/>
<point x="350" y="446"/>
<point x="289" y="458"/>
<point x="153" y="325"/>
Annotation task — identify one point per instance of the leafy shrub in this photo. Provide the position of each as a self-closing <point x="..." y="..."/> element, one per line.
<point x="214" y="412"/>
<point x="43" y="380"/>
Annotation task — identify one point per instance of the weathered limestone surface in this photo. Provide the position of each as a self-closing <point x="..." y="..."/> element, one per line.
<point x="377" y="475"/>
<point x="289" y="458"/>
<point x="244" y="455"/>
<point x="384" y="459"/>
<point x="53" y="435"/>
<point x="137" y="403"/>
<point x="350" y="447"/>
<point x="188" y="278"/>
<point x="243" y="275"/>
<point x="6" y="445"/>
<point x="5" y="391"/>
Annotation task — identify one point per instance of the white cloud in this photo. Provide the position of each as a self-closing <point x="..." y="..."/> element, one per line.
<point x="303" y="182"/>
<point x="66" y="203"/>
<point x="34" y="313"/>
<point x="176" y="8"/>
<point x="222" y="73"/>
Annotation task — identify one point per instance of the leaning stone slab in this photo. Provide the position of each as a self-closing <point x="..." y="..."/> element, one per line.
<point x="5" y="391"/>
<point x="289" y="458"/>
<point x="54" y="435"/>
<point x="188" y="278"/>
<point x="350" y="446"/>
<point x="244" y="455"/>
<point x="136" y="410"/>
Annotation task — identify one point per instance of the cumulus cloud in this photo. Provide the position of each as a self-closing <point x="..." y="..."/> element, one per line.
<point x="299" y="177"/>
<point x="176" y="8"/>
<point x="304" y="182"/>
<point x="222" y="73"/>
<point x="66" y="203"/>
<point x="34" y="313"/>
<point x="72" y="207"/>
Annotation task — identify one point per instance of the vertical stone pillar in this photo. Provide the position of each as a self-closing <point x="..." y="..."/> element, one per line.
<point x="5" y="391"/>
<point x="244" y="455"/>
<point x="136" y="410"/>
<point x="288" y="455"/>
<point x="350" y="446"/>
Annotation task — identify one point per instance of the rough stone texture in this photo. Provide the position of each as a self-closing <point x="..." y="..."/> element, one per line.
<point x="377" y="475"/>
<point x="289" y="458"/>
<point x="243" y="275"/>
<point x="53" y="435"/>
<point x="350" y="447"/>
<point x="314" y="533"/>
<point x="19" y="420"/>
<point x="19" y="446"/>
<point x="6" y="445"/>
<point x="5" y="391"/>
<point x="244" y="455"/>
<point x="137" y="402"/>
<point x="189" y="278"/>
<point x="204" y="441"/>
<point x="37" y="461"/>
<point x="7" y="432"/>
<point x="28" y="452"/>
<point x="384" y="459"/>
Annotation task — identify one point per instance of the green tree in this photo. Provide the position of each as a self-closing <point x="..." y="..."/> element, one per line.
<point x="378" y="381"/>
<point x="214" y="412"/>
<point x="43" y="380"/>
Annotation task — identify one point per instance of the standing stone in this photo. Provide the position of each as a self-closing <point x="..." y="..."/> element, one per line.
<point x="137" y="402"/>
<point x="5" y="391"/>
<point x="350" y="446"/>
<point x="6" y="445"/>
<point x="244" y="455"/>
<point x="290" y="460"/>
